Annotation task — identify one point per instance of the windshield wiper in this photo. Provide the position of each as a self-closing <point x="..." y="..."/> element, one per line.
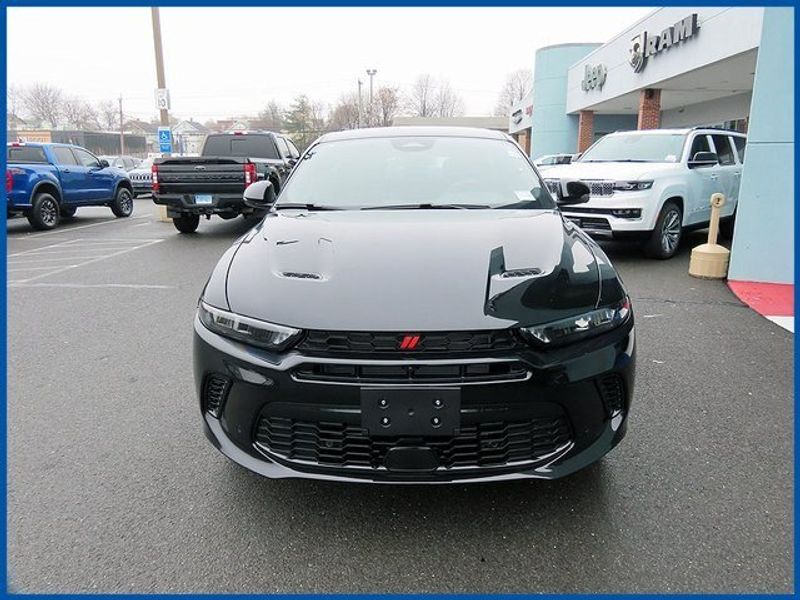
<point x="306" y="206"/>
<point x="625" y="160"/>
<point x="425" y="206"/>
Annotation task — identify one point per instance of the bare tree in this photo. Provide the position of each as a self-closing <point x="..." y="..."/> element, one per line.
<point x="345" y="114"/>
<point x="432" y="98"/>
<point x="109" y="115"/>
<point x="420" y="99"/>
<point x="273" y="116"/>
<point x="80" y="114"/>
<point x="518" y="85"/>
<point x="446" y="102"/>
<point x="14" y="100"/>
<point x="387" y="105"/>
<point x="43" y="102"/>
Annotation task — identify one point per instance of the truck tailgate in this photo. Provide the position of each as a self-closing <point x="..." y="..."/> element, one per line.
<point x="201" y="174"/>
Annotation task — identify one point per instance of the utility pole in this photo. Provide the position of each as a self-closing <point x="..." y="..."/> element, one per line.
<point x="121" y="128"/>
<point x="371" y="73"/>
<point x="162" y="82"/>
<point x="360" y="83"/>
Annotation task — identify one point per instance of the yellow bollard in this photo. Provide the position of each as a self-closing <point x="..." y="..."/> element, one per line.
<point x="162" y="214"/>
<point x="710" y="260"/>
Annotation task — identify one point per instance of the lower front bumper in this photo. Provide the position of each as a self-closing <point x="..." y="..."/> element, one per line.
<point x="563" y="384"/>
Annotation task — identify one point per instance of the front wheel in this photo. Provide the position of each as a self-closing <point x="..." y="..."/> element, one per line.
<point x="44" y="213"/>
<point x="122" y="206"/>
<point x="666" y="237"/>
<point x="186" y="223"/>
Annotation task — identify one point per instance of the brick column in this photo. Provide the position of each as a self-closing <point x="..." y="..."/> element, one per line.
<point x="585" y="129"/>
<point x="649" y="109"/>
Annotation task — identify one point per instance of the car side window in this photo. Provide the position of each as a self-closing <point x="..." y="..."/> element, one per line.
<point x="700" y="144"/>
<point x="64" y="156"/>
<point x="740" y="143"/>
<point x="284" y="147"/>
<point x="724" y="149"/>
<point x="86" y="159"/>
<point x="293" y="151"/>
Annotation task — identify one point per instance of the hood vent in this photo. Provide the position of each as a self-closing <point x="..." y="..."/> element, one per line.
<point x="295" y="275"/>
<point x="520" y="273"/>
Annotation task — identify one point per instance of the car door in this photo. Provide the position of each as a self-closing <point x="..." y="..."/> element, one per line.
<point x="99" y="180"/>
<point x="728" y="172"/>
<point x="71" y="173"/>
<point x="703" y="182"/>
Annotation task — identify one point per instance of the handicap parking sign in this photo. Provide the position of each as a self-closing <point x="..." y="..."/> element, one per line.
<point x="165" y="139"/>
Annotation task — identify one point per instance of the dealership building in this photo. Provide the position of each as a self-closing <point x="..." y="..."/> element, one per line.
<point x="685" y="67"/>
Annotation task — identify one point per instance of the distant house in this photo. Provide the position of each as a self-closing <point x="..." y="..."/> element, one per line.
<point x="148" y="130"/>
<point x="188" y="137"/>
<point x="15" y="122"/>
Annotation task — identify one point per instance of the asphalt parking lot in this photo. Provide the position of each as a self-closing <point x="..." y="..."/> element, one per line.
<point x="113" y="488"/>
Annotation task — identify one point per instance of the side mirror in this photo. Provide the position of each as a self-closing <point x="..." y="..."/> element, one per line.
<point x="573" y="192"/>
<point x="103" y="163"/>
<point x="260" y="194"/>
<point x="703" y="159"/>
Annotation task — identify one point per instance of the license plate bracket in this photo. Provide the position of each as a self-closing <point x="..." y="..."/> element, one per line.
<point x="411" y="412"/>
<point x="203" y="199"/>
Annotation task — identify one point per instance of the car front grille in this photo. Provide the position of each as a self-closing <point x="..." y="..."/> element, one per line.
<point x="598" y="187"/>
<point x="412" y="373"/>
<point x="337" y="444"/>
<point x="388" y="343"/>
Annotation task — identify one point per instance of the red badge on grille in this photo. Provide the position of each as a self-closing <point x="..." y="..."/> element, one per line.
<point x="409" y="342"/>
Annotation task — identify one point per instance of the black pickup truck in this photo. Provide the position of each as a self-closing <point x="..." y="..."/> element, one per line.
<point x="214" y="182"/>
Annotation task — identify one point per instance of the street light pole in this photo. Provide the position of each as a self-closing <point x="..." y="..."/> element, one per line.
<point x="371" y="73"/>
<point x="121" y="129"/>
<point x="360" y="83"/>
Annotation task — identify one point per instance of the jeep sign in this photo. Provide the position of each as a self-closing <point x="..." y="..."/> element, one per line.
<point x="594" y="77"/>
<point x="646" y="45"/>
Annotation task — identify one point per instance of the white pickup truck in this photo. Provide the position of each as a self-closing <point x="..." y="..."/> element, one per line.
<point x="654" y="184"/>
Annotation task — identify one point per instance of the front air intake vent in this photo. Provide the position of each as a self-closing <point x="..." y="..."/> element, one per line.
<point x="612" y="389"/>
<point x="295" y="275"/>
<point x="215" y="392"/>
<point x="521" y="273"/>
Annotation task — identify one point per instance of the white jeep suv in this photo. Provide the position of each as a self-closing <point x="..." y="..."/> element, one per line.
<point x="654" y="184"/>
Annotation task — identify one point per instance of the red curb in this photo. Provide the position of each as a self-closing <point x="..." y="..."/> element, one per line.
<point x="769" y="299"/>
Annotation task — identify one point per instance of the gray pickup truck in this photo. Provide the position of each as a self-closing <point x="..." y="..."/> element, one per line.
<point x="214" y="182"/>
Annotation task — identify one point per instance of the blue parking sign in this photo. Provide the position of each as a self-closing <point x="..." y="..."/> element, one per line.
<point x="165" y="139"/>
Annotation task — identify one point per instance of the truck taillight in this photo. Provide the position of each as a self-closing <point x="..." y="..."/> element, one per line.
<point x="9" y="181"/>
<point x="155" y="178"/>
<point x="250" y="174"/>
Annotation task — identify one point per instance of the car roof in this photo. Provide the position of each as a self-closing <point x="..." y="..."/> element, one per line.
<point x="681" y="131"/>
<point x="413" y="131"/>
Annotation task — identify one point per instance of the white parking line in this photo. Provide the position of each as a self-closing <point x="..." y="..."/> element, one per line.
<point x="136" y="286"/>
<point x="68" y="229"/>
<point x="31" y="257"/>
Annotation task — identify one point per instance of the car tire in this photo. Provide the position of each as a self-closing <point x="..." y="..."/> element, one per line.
<point x="122" y="206"/>
<point x="186" y="223"/>
<point x="666" y="236"/>
<point x="67" y="212"/>
<point x="44" y="213"/>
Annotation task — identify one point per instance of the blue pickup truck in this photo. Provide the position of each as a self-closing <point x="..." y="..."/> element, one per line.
<point x="46" y="182"/>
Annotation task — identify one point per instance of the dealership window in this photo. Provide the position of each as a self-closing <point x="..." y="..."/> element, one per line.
<point x="724" y="149"/>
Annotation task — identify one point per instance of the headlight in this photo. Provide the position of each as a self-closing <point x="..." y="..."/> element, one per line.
<point x="580" y="326"/>
<point x="245" y="329"/>
<point x="629" y="186"/>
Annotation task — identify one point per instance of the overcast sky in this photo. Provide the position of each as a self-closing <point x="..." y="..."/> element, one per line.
<point x="224" y="62"/>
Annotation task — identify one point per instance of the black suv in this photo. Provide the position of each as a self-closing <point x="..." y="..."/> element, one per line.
<point x="414" y="308"/>
<point x="213" y="183"/>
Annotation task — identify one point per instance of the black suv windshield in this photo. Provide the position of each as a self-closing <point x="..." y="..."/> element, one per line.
<point x="416" y="172"/>
<point x="636" y="147"/>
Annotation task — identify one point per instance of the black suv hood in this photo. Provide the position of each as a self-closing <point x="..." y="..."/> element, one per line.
<point x="414" y="270"/>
